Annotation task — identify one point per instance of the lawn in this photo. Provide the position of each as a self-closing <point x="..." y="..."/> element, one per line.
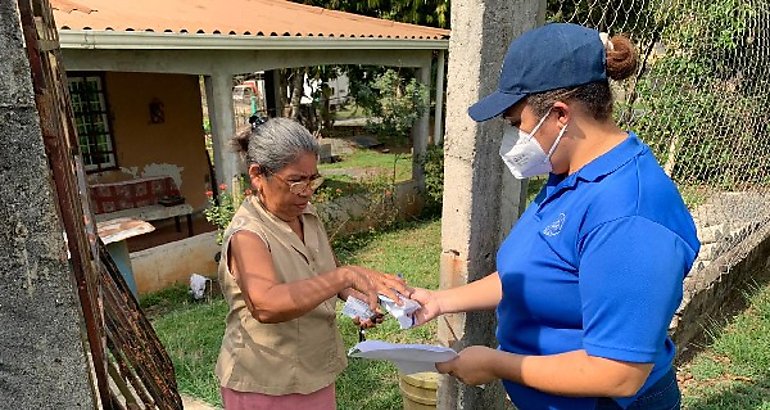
<point x="192" y="332"/>
<point x="349" y="111"/>
<point x="373" y="162"/>
<point x="734" y="371"/>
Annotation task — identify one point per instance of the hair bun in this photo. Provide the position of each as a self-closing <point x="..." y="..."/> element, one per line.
<point x="622" y="58"/>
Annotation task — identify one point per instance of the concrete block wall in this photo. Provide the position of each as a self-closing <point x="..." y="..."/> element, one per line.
<point x="717" y="291"/>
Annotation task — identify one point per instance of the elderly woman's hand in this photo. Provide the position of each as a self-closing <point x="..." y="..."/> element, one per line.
<point x="370" y="283"/>
<point x="364" y="323"/>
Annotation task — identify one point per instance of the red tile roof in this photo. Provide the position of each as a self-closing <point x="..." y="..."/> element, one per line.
<point x="229" y="17"/>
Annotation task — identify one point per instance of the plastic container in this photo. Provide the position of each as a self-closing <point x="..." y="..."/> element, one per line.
<point x="419" y="390"/>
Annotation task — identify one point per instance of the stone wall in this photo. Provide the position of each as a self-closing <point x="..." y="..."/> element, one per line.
<point x="42" y="359"/>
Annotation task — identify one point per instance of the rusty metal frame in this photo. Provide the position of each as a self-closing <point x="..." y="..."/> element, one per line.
<point x="137" y="369"/>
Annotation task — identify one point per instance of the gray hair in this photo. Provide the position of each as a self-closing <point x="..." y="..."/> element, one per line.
<point x="275" y="144"/>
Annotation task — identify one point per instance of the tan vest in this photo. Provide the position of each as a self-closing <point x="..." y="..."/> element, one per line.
<point x="302" y="355"/>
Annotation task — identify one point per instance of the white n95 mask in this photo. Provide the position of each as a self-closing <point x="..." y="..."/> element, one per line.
<point x="522" y="153"/>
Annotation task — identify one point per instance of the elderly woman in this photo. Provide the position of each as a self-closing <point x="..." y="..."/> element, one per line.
<point x="281" y="348"/>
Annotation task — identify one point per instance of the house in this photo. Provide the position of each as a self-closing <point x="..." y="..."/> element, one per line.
<point x="338" y="90"/>
<point x="136" y="68"/>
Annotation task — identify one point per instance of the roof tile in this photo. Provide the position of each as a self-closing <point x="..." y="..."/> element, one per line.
<point x="235" y="17"/>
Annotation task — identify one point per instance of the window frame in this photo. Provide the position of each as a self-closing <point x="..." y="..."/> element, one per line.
<point x="106" y="112"/>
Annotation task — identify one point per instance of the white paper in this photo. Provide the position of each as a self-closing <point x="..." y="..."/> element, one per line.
<point x="409" y="358"/>
<point x="404" y="313"/>
<point x="357" y="308"/>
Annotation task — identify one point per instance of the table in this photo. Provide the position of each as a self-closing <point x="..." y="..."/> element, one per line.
<point x="114" y="233"/>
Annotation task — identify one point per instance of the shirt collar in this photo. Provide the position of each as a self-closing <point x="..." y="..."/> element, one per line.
<point x="605" y="164"/>
<point x="287" y="234"/>
<point x="612" y="160"/>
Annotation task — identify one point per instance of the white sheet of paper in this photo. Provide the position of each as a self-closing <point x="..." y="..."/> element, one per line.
<point x="409" y="358"/>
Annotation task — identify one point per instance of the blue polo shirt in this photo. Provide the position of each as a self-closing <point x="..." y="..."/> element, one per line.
<point x="596" y="262"/>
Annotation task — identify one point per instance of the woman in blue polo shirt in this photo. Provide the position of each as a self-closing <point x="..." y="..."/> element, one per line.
<point x="591" y="275"/>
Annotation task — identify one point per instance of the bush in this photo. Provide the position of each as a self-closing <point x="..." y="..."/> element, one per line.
<point x="340" y="204"/>
<point x="433" y="165"/>
<point x="395" y="104"/>
<point x="337" y="202"/>
<point x="221" y="209"/>
<point x="698" y="103"/>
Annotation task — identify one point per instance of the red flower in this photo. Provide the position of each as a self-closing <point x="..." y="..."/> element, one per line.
<point x="209" y="194"/>
<point x="222" y="187"/>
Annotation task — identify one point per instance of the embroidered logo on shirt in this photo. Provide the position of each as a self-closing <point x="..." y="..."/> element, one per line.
<point x="555" y="227"/>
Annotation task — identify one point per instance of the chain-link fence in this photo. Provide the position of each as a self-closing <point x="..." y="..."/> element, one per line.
<point x="699" y="101"/>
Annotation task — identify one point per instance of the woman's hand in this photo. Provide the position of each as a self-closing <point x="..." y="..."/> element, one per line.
<point x="364" y="323"/>
<point x="473" y="366"/>
<point x="371" y="283"/>
<point x="431" y="307"/>
<point x="369" y="323"/>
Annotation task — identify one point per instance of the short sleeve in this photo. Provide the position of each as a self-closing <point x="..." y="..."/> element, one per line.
<point x="242" y="223"/>
<point x="631" y="272"/>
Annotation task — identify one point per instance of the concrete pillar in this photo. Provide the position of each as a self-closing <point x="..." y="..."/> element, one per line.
<point x="438" y="116"/>
<point x="421" y="129"/>
<point x="476" y="192"/>
<point x="42" y="358"/>
<point x="219" y="98"/>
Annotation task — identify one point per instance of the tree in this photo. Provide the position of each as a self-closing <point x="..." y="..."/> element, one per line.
<point x="434" y="13"/>
<point x="399" y="104"/>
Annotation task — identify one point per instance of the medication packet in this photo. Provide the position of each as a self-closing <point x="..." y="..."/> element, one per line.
<point x="355" y="307"/>
<point x="404" y="313"/>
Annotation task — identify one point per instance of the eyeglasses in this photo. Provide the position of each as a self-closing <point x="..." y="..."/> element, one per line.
<point x="300" y="187"/>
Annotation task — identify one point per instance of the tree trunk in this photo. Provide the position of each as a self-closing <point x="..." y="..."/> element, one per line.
<point x="297" y="90"/>
<point x="283" y="98"/>
<point x="673" y="152"/>
<point x="327" y="116"/>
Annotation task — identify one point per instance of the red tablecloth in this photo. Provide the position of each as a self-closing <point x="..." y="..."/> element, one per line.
<point x="134" y="193"/>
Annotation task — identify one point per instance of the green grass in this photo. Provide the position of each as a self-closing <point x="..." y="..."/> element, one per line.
<point x="734" y="372"/>
<point x="192" y="331"/>
<point x="350" y="111"/>
<point x="372" y="161"/>
<point x="412" y="250"/>
<point x="694" y="195"/>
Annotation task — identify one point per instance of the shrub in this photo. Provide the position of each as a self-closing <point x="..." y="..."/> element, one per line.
<point x="433" y="165"/>
<point x="396" y="104"/>
<point x="221" y="209"/>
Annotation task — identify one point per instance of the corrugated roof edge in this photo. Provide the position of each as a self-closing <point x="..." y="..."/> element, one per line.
<point x="127" y="40"/>
<point x="248" y="33"/>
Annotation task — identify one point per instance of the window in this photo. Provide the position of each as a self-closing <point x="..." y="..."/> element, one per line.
<point x="89" y="105"/>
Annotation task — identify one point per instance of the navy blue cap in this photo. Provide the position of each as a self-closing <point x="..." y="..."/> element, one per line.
<point x="554" y="56"/>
